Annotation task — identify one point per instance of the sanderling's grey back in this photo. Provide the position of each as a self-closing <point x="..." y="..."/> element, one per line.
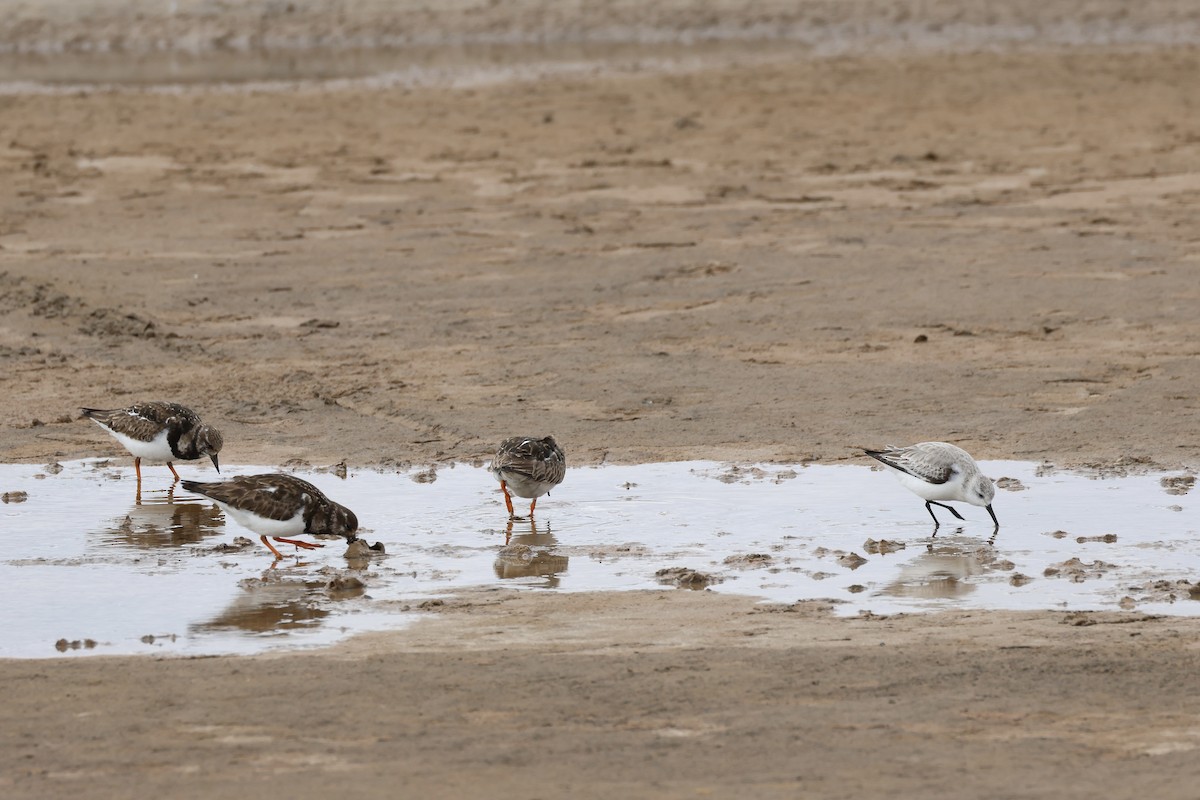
<point x="939" y="471"/>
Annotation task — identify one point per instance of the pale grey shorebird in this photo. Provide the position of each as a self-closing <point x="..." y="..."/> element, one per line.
<point x="528" y="467"/>
<point x="279" y="506"/>
<point x="937" y="471"/>
<point x="159" y="432"/>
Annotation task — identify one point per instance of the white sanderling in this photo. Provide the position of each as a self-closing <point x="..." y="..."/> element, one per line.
<point x="939" y="471"/>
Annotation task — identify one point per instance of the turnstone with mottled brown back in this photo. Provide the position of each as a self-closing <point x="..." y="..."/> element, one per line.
<point x="528" y="467"/>
<point x="279" y="506"/>
<point x="160" y="432"/>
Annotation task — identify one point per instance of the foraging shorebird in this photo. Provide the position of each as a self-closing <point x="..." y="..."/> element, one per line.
<point x="160" y="432"/>
<point x="939" y="471"/>
<point x="528" y="467"/>
<point x="279" y="506"/>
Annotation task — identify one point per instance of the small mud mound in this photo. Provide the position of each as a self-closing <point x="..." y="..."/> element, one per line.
<point x="1178" y="484"/>
<point x="1078" y="571"/>
<point x="749" y="561"/>
<point x="686" y="578"/>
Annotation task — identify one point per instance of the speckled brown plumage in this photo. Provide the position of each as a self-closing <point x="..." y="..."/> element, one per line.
<point x="277" y="505"/>
<point x="159" y="431"/>
<point x="528" y="467"/>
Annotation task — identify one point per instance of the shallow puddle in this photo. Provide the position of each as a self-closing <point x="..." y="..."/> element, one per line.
<point x="85" y="569"/>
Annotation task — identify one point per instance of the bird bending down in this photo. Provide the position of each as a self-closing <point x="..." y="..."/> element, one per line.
<point x="160" y="432"/>
<point x="528" y="467"/>
<point x="939" y="471"/>
<point x="279" y="506"/>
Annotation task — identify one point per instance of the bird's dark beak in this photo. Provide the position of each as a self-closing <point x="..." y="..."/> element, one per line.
<point x="218" y="467"/>
<point x="993" y="513"/>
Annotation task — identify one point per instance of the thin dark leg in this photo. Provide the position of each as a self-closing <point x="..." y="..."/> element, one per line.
<point x="943" y="505"/>
<point x="929" y="508"/>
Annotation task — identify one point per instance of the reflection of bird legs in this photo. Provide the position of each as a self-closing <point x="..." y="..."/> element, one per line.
<point x="509" y="529"/>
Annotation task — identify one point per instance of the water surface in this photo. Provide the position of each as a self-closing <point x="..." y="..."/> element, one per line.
<point x="84" y="568"/>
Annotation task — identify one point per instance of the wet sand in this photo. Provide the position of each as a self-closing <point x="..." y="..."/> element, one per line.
<point x="756" y="261"/>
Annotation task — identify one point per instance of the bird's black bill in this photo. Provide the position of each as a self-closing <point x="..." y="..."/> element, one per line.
<point x="215" y="464"/>
<point x="993" y="513"/>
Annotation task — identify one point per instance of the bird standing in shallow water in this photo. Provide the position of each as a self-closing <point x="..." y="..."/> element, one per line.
<point x="279" y="506"/>
<point x="159" y="431"/>
<point x="528" y="467"/>
<point x="939" y="471"/>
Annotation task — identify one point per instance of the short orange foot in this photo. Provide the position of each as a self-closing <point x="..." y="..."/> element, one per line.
<point x="298" y="543"/>
<point x="271" y="547"/>
<point x="507" y="500"/>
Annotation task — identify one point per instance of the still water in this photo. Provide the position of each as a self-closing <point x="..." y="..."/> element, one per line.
<point x="85" y="569"/>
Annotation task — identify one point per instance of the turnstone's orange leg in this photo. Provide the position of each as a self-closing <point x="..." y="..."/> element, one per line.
<point x="137" y="467"/>
<point x="271" y="547"/>
<point x="171" y="467"/>
<point x="507" y="500"/>
<point x="532" y="503"/>
<point x="305" y="545"/>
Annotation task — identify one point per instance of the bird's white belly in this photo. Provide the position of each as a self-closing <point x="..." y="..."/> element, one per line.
<point x="522" y="485"/>
<point x="950" y="490"/>
<point x="263" y="525"/>
<point x="156" y="449"/>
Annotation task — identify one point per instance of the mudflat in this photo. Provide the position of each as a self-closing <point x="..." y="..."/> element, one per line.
<point x="755" y="260"/>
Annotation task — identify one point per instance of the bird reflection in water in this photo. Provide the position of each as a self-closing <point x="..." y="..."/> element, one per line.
<point x="530" y="555"/>
<point x="943" y="570"/>
<point x="158" y="521"/>
<point x="274" y="603"/>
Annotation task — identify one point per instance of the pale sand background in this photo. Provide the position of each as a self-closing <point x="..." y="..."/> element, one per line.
<point x="730" y="262"/>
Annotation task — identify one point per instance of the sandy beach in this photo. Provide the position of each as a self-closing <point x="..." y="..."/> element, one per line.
<point x="745" y="259"/>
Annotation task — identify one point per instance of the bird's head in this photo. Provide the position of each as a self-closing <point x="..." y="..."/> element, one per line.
<point x="208" y="443"/>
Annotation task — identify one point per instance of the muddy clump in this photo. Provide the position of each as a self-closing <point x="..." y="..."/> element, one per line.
<point x="686" y="578"/>
<point x="749" y="561"/>
<point x="360" y="549"/>
<point x="1178" y="484"/>
<point x="14" y="497"/>
<point x="883" y="546"/>
<point x="1078" y="571"/>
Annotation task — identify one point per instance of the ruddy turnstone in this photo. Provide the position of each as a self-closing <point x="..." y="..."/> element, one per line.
<point x="279" y="506"/>
<point x="939" y="471"/>
<point x="159" y="431"/>
<point x="528" y="467"/>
